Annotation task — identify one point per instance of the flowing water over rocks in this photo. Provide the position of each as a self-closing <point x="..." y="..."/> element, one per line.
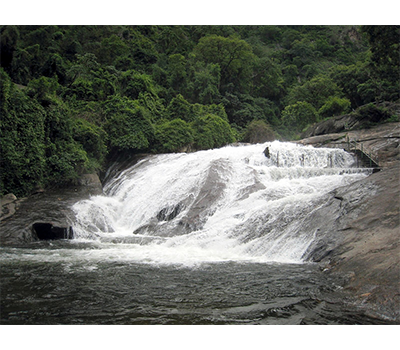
<point x="225" y="236"/>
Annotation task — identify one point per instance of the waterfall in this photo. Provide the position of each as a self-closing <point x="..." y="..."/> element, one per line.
<point x="241" y="203"/>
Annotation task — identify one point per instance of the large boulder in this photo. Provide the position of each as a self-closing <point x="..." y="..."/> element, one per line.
<point x="91" y="184"/>
<point x="364" y="117"/>
<point x="8" y="205"/>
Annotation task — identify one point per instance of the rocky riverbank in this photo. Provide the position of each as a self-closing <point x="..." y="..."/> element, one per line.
<point x="359" y="231"/>
<point x="49" y="207"/>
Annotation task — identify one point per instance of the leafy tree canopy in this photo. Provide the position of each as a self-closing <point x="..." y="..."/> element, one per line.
<point x="72" y="94"/>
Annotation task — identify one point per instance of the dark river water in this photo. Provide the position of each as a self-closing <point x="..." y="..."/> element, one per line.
<point x="37" y="290"/>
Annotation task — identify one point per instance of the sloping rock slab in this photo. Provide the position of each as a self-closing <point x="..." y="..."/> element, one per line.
<point x="358" y="235"/>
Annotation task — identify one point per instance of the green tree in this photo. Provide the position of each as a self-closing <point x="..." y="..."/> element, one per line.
<point x="21" y="66"/>
<point x="9" y="36"/>
<point x="349" y="79"/>
<point x="267" y="80"/>
<point x="334" y="106"/>
<point x="211" y="131"/>
<point x="204" y="85"/>
<point x="258" y="131"/>
<point x="84" y="66"/>
<point x="243" y="108"/>
<point x="216" y="109"/>
<point x="93" y="138"/>
<point x="233" y="55"/>
<point x="315" y="91"/>
<point x="22" y="140"/>
<point x="298" y="115"/>
<point x="132" y="83"/>
<point x="304" y="52"/>
<point x="6" y="87"/>
<point x="177" y="72"/>
<point x="65" y="158"/>
<point x="111" y="48"/>
<point x="384" y="45"/>
<point x="55" y="66"/>
<point x="173" y="136"/>
<point x="385" y="60"/>
<point x="130" y="129"/>
<point x="154" y="104"/>
<point x="179" y="108"/>
<point x="43" y="89"/>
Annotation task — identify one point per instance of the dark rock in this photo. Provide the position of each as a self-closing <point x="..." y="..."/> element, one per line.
<point x="169" y="213"/>
<point x="330" y="126"/>
<point x="44" y="214"/>
<point x="203" y="205"/>
<point x="192" y="213"/>
<point x="91" y="184"/>
<point x="266" y="152"/>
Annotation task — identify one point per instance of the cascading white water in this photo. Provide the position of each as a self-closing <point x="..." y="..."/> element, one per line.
<point x="232" y="203"/>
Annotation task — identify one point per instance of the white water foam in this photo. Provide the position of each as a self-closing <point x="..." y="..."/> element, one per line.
<point x="244" y="205"/>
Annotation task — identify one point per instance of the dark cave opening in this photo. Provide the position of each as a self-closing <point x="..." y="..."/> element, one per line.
<point x="47" y="231"/>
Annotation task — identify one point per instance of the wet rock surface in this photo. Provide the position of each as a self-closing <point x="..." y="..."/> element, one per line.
<point x="364" y="119"/>
<point x="357" y="226"/>
<point x="198" y="206"/>
<point x="382" y="141"/>
<point x="9" y="204"/>
<point x="50" y="209"/>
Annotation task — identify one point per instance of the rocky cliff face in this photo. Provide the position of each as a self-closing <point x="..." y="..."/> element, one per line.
<point x="382" y="142"/>
<point x="359" y="231"/>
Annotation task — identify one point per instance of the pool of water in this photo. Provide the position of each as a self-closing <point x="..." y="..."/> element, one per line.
<point x="42" y="284"/>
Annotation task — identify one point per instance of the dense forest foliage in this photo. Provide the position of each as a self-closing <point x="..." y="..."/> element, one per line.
<point x="73" y="95"/>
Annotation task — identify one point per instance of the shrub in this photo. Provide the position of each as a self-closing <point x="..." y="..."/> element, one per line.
<point x="173" y="136"/>
<point x="297" y="116"/>
<point x="22" y="144"/>
<point x="180" y="108"/>
<point x="258" y="131"/>
<point x="93" y="140"/>
<point x="211" y="131"/>
<point x="372" y="114"/>
<point x="130" y="129"/>
<point x="334" y="106"/>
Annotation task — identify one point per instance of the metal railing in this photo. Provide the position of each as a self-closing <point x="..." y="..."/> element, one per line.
<point x="358" y="147"/>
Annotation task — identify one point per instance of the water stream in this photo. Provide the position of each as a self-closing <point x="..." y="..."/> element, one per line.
<point x="212" y="237"/>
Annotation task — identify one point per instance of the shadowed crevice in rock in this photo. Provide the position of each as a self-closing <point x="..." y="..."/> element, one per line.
<point x="170" y="213"/>
<point x="47" y="231"/>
